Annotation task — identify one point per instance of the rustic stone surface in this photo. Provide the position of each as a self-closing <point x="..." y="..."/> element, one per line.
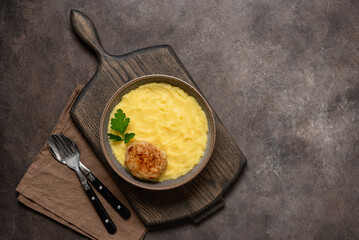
<point x="281" y="75"/>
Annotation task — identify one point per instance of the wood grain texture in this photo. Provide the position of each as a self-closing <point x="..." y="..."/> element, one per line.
<point x="196" y="199"/>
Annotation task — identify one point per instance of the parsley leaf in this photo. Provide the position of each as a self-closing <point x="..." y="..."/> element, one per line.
<point x="120" y="124"/>
<point x="114" y="137"/>
<point x="128" y="136"/>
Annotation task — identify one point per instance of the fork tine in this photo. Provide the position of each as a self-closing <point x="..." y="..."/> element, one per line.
<point x="52" y="144"/>
<point x="61" y="145"/>
<point x="65" y="141"/>
<point x="72" y="146"/>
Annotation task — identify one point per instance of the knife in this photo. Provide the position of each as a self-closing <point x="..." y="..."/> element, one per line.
<point x="107" y="194"/>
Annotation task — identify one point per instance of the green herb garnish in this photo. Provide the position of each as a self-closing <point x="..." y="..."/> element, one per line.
<point x="119" y="124"/>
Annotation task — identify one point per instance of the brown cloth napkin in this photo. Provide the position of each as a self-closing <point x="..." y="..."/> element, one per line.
<point x="54" y="190"/>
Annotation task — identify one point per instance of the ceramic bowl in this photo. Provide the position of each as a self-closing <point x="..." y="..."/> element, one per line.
<point x="122" y="171"/>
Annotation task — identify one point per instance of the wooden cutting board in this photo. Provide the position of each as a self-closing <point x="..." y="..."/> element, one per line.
<point x="196" y="199"/>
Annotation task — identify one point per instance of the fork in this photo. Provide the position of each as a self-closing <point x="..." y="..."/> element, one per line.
<point x="66" y="152"/>
<point x="106" y="193"/>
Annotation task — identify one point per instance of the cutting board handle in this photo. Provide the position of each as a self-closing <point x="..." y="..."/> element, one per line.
<point x="85" y="28"/>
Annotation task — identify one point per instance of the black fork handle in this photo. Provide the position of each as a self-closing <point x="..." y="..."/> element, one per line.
<point x="111" y="199"/>
<point x="105" y="218"/>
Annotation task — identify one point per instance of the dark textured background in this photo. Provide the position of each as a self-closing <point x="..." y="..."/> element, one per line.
<point x="282" y="76"/>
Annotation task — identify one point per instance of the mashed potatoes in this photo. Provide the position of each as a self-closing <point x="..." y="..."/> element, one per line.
<point x="168" y="117"/>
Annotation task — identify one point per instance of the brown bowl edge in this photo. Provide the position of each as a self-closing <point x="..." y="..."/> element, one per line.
<point x="134" y="182"/>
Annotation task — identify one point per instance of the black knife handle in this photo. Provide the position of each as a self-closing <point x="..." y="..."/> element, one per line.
<point x="115" y="203"/>
<point x="105" y="218"/>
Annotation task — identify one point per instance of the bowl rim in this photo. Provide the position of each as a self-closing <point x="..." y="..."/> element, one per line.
<point x="211" y="121"/>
